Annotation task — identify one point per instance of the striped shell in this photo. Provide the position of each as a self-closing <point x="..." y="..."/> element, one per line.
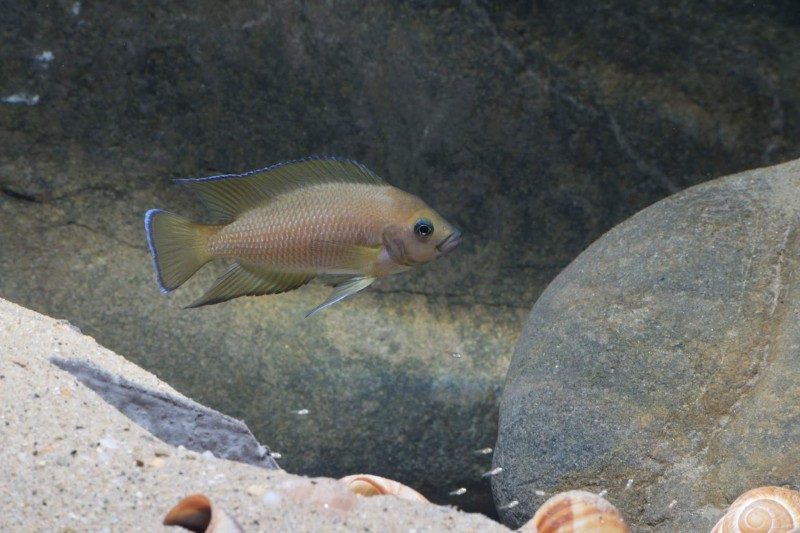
<point x="576" y="511"/>
<point x="197" y="513"/>
<point x="369" y="485"/>
<point x="762" y="510"/>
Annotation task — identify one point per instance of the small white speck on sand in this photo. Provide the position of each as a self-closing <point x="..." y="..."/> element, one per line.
<point x="108" y="443"/>
<point x="271" y="498"/>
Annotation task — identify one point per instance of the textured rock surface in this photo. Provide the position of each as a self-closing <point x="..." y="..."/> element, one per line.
<point x="72" y="462"/>
<point x="172" y="419"/>
<point x="532" y="126"/>
<point x="666" y="354"/>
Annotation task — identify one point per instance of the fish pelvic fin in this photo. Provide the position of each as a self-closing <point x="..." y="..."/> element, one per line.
<point x="178" y="246"/>
<point x="248" y="280"/>
<point x="342" y="290"/>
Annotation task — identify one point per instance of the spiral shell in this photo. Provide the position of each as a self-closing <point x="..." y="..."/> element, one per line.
<point x="576" y="511"/>
<point x="762" y="510"/>
<point x="197" y="513"/>
<point x="369" y="485"/>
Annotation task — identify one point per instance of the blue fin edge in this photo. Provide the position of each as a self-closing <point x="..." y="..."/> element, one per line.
<point x="148" y="221"/>
<point x="278" y="165"/>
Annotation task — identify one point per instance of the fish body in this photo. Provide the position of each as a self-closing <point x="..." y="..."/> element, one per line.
<point x="284" y="225"/>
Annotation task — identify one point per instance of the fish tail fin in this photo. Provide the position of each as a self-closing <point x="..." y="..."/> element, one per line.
<point x="179" y="247"/>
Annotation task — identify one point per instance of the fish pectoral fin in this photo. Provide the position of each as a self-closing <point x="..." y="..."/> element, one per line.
<point x="343" y="290"/>
<point x="248" y="280"/>
<point x="344" y="256"/>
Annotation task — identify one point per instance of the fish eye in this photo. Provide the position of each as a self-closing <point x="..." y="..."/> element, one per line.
<point x="423" y="228"/>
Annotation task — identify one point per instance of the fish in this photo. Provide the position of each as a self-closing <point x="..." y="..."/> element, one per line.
<point x="284" y="225"/>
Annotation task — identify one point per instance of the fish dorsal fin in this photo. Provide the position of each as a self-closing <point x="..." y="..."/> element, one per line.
<point x="228" y="195"/>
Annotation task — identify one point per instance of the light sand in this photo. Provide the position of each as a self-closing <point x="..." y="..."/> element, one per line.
<point x="72" y="463"/>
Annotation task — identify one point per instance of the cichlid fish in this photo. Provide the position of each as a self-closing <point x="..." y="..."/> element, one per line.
<point x="284" y="225"/>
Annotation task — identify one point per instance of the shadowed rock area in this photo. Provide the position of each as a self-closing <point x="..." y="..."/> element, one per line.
<point x="533" y="128"/>
<point x="666" y="354"/>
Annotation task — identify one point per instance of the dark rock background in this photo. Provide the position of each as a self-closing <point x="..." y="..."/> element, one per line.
<point x="532" y="126"/>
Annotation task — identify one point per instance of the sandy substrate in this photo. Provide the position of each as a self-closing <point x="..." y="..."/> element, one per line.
<point x="71" y="462"/>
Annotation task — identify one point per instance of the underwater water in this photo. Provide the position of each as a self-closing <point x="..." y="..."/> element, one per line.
<point x="534" y="128"/>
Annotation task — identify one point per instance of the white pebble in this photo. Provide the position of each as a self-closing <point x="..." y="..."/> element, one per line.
<point x="271" y="498"/>
<point x="21" y="98"/>
<point x="108" y="443"/>
<point x="45" y="57"/>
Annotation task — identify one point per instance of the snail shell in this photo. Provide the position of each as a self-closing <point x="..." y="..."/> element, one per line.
<point x="369" y="485"/>
<point x="197" y="513"/>
<point x="762" y="510"/>
<point x="576" y="511"/>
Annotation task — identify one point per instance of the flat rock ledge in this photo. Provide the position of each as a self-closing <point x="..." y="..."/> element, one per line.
<point x="72" y="462"/>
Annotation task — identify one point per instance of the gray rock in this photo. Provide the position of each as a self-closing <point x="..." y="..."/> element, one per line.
<point x="665" y="354"/>
<point x="172" y="419"/>
<point x="534" y="127"/>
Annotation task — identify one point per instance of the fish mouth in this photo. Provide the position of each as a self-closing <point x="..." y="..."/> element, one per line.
<point x="452" y="240"/>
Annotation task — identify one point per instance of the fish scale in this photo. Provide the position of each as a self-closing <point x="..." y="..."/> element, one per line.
<point x="280" y="234"/>
<point x="283" y="225"/>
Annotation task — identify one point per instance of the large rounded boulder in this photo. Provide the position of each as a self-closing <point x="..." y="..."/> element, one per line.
<point x="662" y="365"/>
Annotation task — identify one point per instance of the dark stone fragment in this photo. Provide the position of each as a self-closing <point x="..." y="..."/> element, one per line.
<point x="172" y="419"/>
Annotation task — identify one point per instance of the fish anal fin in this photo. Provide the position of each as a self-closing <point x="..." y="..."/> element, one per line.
<point x="343" y="290"/>
<point x="247" y="280"/>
